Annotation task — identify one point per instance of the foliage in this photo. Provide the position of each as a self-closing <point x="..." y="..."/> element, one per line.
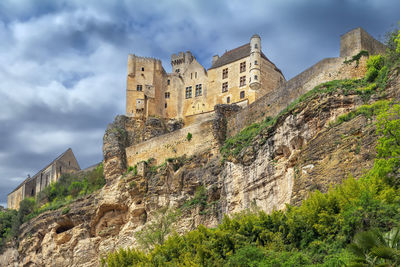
<point x="155" y="232"/>
<point x="53" y="197"/>
<point x="373" y="248"/>
<point x="357" y="57"/>
<point x="366" y="110"/>
<point x="7" y="219"/>
<point x="189" y="136"/>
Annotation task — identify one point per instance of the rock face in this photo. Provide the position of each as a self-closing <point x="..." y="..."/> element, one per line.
<point x="126" y="131"/>
<point x="300" y="154"/>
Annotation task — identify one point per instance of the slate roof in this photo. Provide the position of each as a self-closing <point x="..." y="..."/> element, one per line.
<point x="236" y="54"/>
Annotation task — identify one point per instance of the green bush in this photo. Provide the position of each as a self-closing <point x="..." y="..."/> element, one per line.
<point x="189" y="136"/>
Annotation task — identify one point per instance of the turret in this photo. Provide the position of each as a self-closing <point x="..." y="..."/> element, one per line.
<point x="255" y="61"/>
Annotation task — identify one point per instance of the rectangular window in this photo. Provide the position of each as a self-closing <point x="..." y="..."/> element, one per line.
<point x="166" y="94"/>
<point x="169" y="82"/>
<point x="224" y="73"/>
<point x="243" y="67"/>
<point x="165" y="105"/>
<point x="255" y="77"/>
<point x="139" y="87"/>
<point x="195" y="75"/>
<point x="198" y="90"/>
<point x="242" y="94"/>
<point x="188" y="92"/>
<point x="191" y="75"/>
<point x="225" y="87"/>
<point x="255" y="62"/>
<point x="243" y="81"/>
<point x="228" y="99"/>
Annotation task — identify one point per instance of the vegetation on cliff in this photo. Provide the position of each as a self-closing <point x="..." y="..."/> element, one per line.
<point x="56" y="195"/>
<point x="319" y="231"/>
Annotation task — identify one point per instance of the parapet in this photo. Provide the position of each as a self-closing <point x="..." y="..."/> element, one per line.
<point x="358" y="39"/>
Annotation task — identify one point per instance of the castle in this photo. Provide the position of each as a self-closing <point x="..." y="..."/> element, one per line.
<point x="239" y="76"/>
<point x="243" y="77"/>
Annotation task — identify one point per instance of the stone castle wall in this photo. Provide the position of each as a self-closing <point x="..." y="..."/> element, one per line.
<point x="174" y="144"/>
<point x="325" y="70"/>
<point x="272" y="103"/>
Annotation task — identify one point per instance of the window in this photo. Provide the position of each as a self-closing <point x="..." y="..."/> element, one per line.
<point x="195" y="75"/>
<point x="243" y="81"/>
<point x="242" y="94"/>
<point x="142" y="69"/>
<point x="191" y="75"/>
<point x="169" y="82"/>
<point x="198" y="90"/>
<point x="139" y="87"/>
<point x="189" y="92"/>
<point x="165" y="105"/>
<point x="60" y="169"/>
<point x="243" y="67"/>
<point x="255" y="46"/>
<point x="177" y="70"/>
<point x="255" y="62"/>
<point x="225" y="87"/>
<point x="255" y="77"/>
<point x="166" y="94"/>
<point x="224" y="73"/>
<point x="228" y="99"/>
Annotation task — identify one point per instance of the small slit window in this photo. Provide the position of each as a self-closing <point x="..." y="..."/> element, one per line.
<point x="228" y="99"/>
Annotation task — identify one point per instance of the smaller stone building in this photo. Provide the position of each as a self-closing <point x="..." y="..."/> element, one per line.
<point x="65" y="163"/>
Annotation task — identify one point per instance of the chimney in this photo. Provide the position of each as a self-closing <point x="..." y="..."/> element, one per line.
<point x="214" y="59"/>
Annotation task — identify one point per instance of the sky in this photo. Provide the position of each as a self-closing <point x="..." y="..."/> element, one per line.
<point x="63" y="63"/>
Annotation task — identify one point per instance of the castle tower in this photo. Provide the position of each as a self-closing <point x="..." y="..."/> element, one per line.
<point x="255" y="61"/>
<point x="180" y="61"/>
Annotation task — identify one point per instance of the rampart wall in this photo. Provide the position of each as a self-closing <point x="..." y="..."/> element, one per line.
<point x="174" y="144"/>
<point x="273" y="102"/>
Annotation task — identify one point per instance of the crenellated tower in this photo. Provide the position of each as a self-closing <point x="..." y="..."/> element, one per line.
<point x="255" y="62"/>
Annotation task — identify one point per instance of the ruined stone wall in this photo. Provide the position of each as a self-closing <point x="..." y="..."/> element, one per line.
<point x="174" y="144"/>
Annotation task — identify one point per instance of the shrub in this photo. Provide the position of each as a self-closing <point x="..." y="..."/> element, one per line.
<point x="189" y="136"/>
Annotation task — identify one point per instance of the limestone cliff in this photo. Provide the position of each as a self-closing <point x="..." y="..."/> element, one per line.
<point x="302" y="152"/>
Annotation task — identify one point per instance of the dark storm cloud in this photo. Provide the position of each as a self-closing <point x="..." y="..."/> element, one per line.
<point x="63" y="63"/>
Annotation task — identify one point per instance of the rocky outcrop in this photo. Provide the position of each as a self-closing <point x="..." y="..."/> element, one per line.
<point x="126" y="131"/>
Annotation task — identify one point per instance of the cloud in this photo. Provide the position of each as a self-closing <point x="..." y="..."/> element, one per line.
<point x="63" y="63"/>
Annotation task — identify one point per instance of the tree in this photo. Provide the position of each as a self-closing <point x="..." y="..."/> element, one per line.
<point x="155" y="232"/>
<point x="372" y="248"/>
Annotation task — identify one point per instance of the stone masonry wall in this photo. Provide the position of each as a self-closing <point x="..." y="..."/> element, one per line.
<point x="174" y="144"/>
<point x="272" y="103"/>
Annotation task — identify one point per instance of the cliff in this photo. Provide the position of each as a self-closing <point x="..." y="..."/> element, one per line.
<point x="303" y="150"/>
